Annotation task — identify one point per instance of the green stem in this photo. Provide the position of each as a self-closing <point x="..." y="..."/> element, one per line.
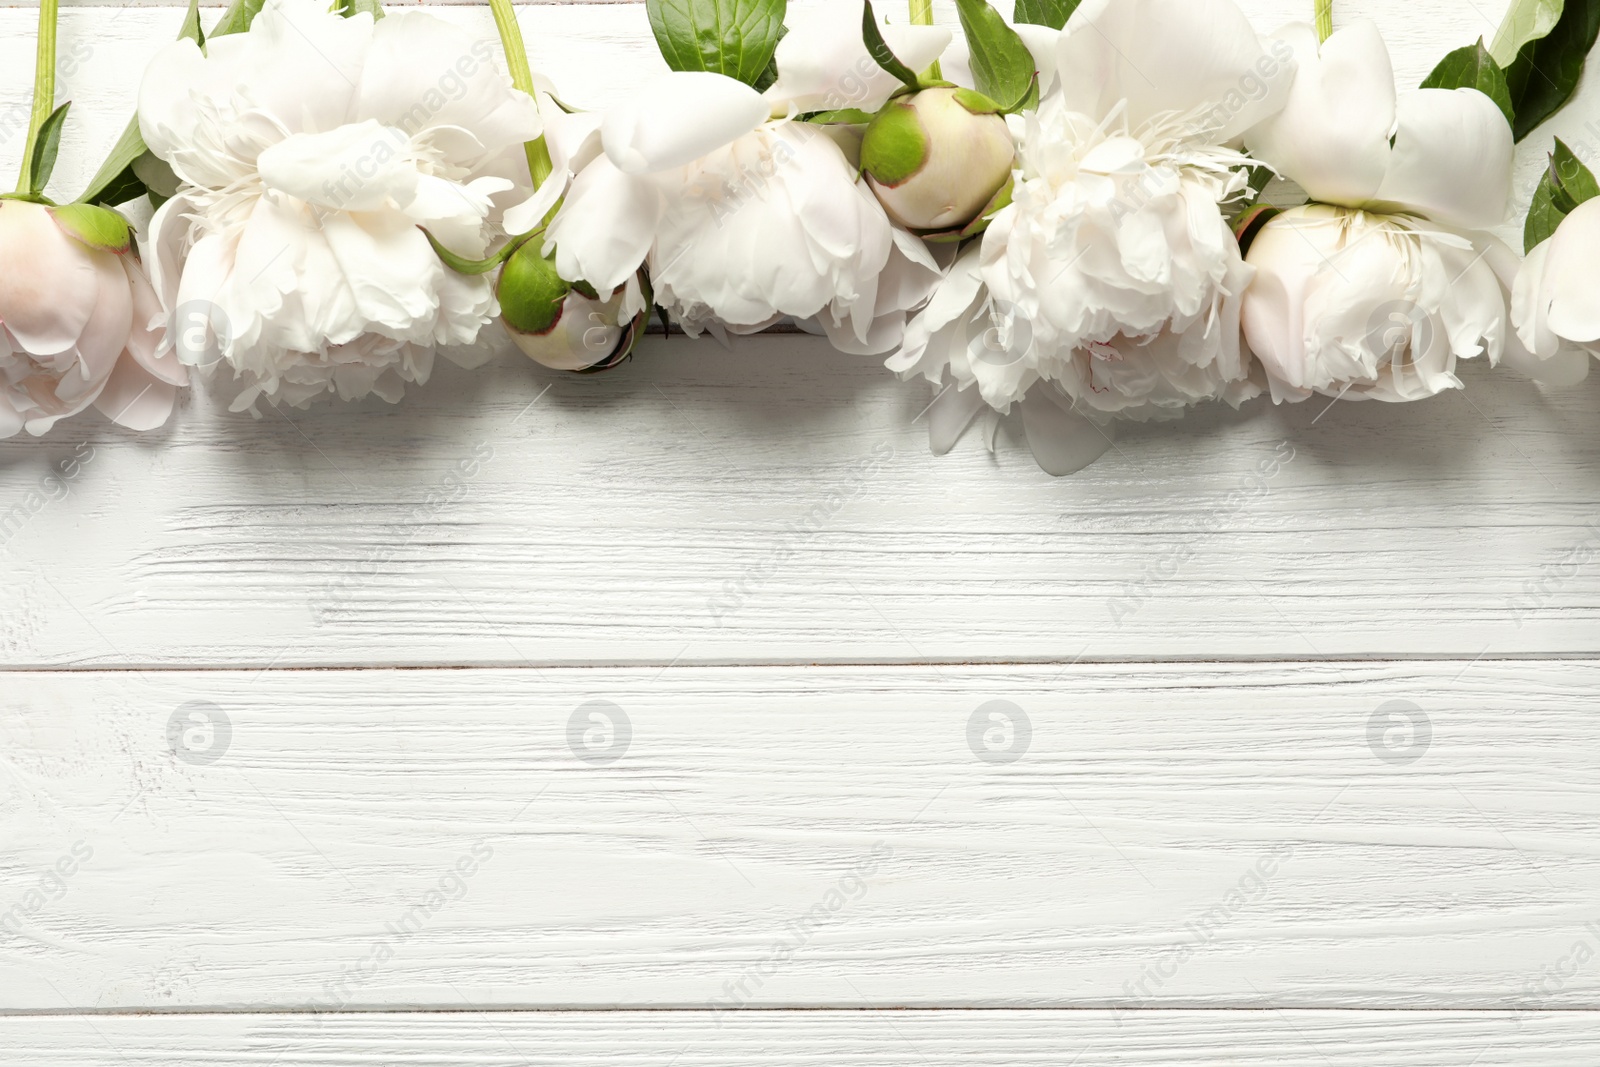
<point x="44" y="90"/>
<point x="505" y="20"/>
<point x="922" y="15"/>
<point x="1324" y="19"/>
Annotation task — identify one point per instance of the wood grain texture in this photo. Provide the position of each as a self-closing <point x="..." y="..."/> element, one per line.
<point x="1168" y="836"/>
<point x="776" y="503"/>
<point x="797" y="1039"/>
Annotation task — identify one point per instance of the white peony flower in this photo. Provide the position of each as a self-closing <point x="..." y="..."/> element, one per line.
<point x="1377" y="298"/>
<point x="741" y="218"/>
<point x="1555" y="304"/>
<point x="75" y="330"/>
<point x="310" y="150"/>
<point x="1112" y="282"/>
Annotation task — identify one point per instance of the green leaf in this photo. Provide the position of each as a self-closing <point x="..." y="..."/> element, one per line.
<point x="1565" y="184"/>
<point x="46" y="148"/>
<point x="349" y="8"/>
<point x="98" y="227"/>
<point x="850" y="116"/>
<point x="1052" y="13"/>
<point x="1527" y="20"/>
<point x="1545" y="73"/>
<point x="1002" y="66"/>
<point x="733" y="37"/>
<point x="1574" y="183"/>
<point x="1473" y="67"/>
<point x="117" y="181"/>
<point x="1543" y="216"/>
<point x="879" y="49"/>
<point x="238" y="17"/>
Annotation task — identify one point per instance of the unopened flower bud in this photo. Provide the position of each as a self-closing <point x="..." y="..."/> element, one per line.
<point x="937" y="158"/>
<point x="553" y="323"/>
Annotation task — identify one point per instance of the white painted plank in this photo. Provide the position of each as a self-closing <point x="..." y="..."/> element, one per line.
<point x="801" y="1039"/>
<point x="776" y="503"/>
<point x="1171" y="836"/>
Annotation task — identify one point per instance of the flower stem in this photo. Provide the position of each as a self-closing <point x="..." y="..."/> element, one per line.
<point x="1324" y="19"/>
<point x="505" y="20"/>
<point x="922" y="15"/>
<point x="44" y="89"/>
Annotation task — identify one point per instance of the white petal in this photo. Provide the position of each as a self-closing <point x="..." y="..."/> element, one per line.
<point x="1063" y="441"/>
<point x="949" y="415"/>
<point x="423" y="72"/>
<point x="1332" y="136"/>
<point x="606" y="227"/>
<point x="1569" y="289"/>
<point x="363" y="166"/>
<point x="679" y="117"/>
<point x="1165" y="57"/>
<point x="1451" y="160"/>
<point x="823" y="64"/>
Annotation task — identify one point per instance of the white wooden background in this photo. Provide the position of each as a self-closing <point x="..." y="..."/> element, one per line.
<point x="1212" y="838"/>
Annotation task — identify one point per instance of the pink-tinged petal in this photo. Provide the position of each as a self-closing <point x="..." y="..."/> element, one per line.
<point x="11" y="420"/>
<point x="679" y="117"/>
<point x="49" y="287"/>
<point x="1451" y="160"/>
<point x="144" y="341"/>
<point x="1332" y="136"/>
<point x="135" y="398"/>
<point x="1199" y="58"/>
<point x="1569" y="290"/>
<point x="105" y="335"/>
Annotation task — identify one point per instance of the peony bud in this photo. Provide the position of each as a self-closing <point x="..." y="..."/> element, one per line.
<point x="937" y="158"/>
<point x="557" y="325"/>
<point x="75" y="322"/>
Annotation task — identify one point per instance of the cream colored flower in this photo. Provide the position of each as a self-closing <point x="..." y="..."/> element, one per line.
<point x="311" y="149"/>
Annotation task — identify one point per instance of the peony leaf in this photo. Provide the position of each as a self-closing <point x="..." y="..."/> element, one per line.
<point x="117" y="181"/>
<point x="349" y="8"/>
<point x="1527" y="20"/>
<point x="880" y="51"/>
<point x="46" y="147"/>
<point x="733" y="37"/>
<point x="1545" y="72"/>
<point x="1001" y="64"/>
<point x="850" y="116"/>
<point x="98" y="227"/>
<point x="1052" y="13"/>
<point x="1566" y="183"/>
<point x="1473" y="67"/>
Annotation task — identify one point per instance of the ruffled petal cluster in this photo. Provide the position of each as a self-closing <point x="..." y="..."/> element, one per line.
<point x="1113" y="280"/>
<point x="1377" y="296"/>
<point x="741" y="218"/>
<point x="310" y="149"/>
